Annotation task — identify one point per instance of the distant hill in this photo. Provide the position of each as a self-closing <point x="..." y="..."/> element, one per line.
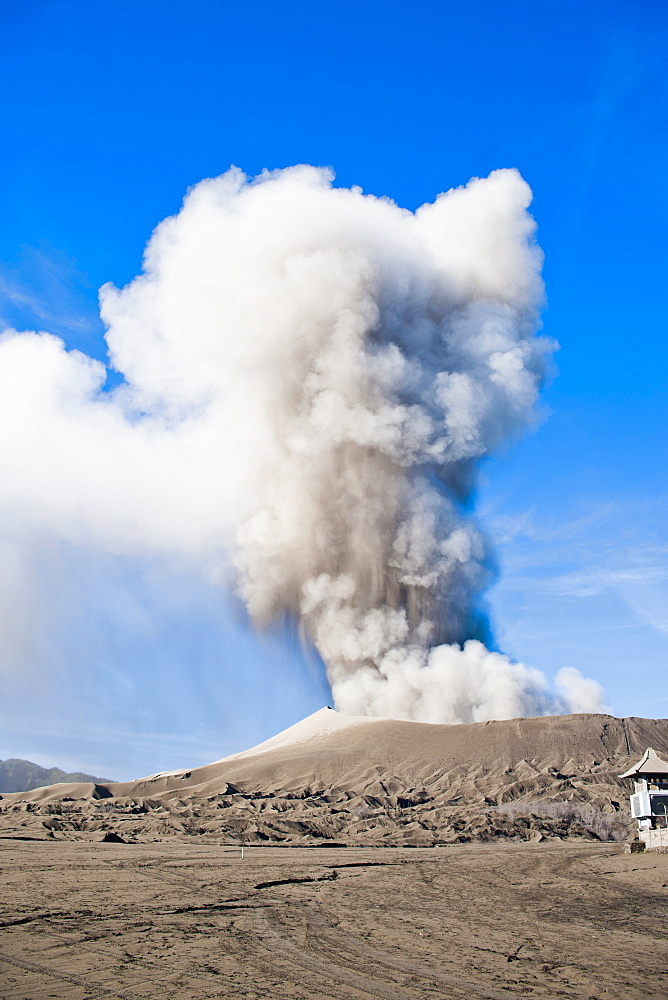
<point x="21" y="775"/>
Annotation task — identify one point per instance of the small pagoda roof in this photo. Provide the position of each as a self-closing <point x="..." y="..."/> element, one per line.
<point x="650" y="763"/>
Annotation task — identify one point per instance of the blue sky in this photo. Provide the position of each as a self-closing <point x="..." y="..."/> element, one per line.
<point x="112" y="111"/>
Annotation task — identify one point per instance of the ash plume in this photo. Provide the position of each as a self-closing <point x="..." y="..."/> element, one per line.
<point x="312" y="377"/>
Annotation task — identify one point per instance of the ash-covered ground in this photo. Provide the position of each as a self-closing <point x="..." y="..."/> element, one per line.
<point x="195" y="921"/>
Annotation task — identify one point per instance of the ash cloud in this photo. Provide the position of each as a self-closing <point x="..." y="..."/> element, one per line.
<point x="311" y="378"/>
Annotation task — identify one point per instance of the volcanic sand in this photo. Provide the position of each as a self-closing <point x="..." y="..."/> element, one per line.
<point x="83" y="920"/>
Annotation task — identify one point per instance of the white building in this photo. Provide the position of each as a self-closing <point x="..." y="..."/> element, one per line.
<point x="649" y="802"/>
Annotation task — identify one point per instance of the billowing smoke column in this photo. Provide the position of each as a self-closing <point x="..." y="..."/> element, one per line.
<point x="311" y="378"/>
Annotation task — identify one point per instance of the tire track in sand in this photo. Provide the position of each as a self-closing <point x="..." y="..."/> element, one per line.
<point x="68" y="978"/>
<point x="352" y="976"/>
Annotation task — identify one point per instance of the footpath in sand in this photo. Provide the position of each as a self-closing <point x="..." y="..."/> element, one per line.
<point x="186" y="921"/>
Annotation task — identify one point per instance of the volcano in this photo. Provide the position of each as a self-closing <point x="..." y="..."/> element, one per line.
<point x="333" y="778"/>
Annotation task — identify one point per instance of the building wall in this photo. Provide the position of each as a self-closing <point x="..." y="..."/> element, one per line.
<point x="654" y="838"/>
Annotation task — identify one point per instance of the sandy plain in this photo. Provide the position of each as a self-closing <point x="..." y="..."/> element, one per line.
<point x="86" y="920"/>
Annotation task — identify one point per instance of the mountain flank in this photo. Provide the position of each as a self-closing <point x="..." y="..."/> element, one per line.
<point x="336" y="779"/>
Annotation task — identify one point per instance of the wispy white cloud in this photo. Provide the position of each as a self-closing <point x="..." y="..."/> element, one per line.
<point x="534" y="527"/>
<point x="45" y="289"/>
<point x="586" y="583"/>
<point x="610" y="559"/>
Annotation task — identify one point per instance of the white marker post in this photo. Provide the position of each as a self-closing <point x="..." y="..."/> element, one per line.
<point x="242" y="853"/>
